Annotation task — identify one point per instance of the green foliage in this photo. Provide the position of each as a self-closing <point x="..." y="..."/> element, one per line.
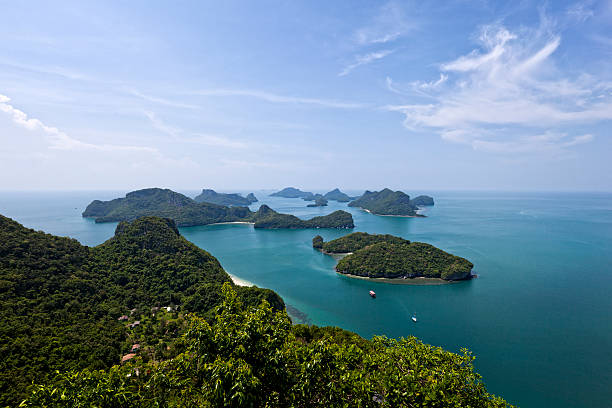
<point x="404" y="260"/>
<point x="253" y="357"/>
<point x="337" y="195"/>
<point x="266" y="217"/>
<point x="386" y="202"/>
<point x="355" y="241"/>
<point x="211" y="196"/>
<point x="60" y="300"/>
<point x="319" y="201"/>
<point x="317" y="242"/>
<point x="422" y="200"/>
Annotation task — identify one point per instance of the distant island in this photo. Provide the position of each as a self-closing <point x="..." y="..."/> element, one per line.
<point x="390" y="257"/>
<point x="337" y="195"/>
<point x="319" y="201"/>
<point x="187" y="212"/>
<point x="211" y="196"/>
<point x="388" y="202"/>
<point x="291" y="192"/>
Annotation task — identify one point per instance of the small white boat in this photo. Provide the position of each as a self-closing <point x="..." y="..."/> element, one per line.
<point x="414" y="319"/>
<point x="372" y="293"/>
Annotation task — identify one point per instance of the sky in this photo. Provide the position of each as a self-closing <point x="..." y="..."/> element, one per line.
<point x="241" y="95"/>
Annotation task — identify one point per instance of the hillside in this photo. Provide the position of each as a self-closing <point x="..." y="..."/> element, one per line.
<point x="422" y="200"/>
<point x="60" y="300"/>
<point x="187" y="212"/>
<point x="387" y="256"/>
<point x="386" y="202"/>
<point x="211" y="196"/>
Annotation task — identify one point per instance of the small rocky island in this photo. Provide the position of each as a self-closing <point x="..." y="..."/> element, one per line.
<point x="211" y="196"/>
<point x="394" y="259"/>
<point x="319" y="201"/>
<point x="388" y="202"/>
<point x="292" y="192"/>
<point x="187" y="212"/>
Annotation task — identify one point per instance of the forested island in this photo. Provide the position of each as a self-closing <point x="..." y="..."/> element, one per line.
<point x="291" y="192"/>
<point x="390" y="257"/>
<point x="337" y="195"/>
<point x="388" y="202"/>
<point x="211" y="196"/>
<point x="201" y="341"/>
<point x="187" y="212"/>
<point x="319" y="201"/>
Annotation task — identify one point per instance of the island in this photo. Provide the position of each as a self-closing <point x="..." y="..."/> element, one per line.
<point x="337" y="195"/>
<point x="291" y="192"/>
<point x="211" y="196"/>
<point x="187" y="212"/>
<point x="319" y="201"/>
<point x="388" y="202"/>
<point x="394" y="259"/>
<point x="422" y="201"/>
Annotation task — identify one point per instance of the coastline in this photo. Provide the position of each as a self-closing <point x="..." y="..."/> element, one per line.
<point x="422" y="281"/>
<point x="232" y="222"/>
<point x="389" y="215"/>
<point x="240" y="282"/>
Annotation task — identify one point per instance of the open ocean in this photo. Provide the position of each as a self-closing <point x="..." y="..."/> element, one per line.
<point x="538" y="318"/>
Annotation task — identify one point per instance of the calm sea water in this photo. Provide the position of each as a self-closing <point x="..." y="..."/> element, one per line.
<point x="538" y="318"/>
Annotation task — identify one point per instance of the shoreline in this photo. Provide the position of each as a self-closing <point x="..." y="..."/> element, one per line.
<point x="418" y="281"/>
<point x="390" y="215"/>
<point x="240" y="282"/>
<point x="232" y="222"/>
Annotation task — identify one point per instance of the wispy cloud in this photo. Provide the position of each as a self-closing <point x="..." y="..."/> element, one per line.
<point x="508" y="87"/>
<point x="276" y="98"/>
<point x="365" y="59"/>
<point x="58" y="139"/>
<point x="580" y="12"/>
<point x="161" y="101"/>
<point x="388" y="25"/>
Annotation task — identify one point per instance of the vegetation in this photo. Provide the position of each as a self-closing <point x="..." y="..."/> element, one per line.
<point x="253" y="357"/>
<point x="386" y="202"/>
<point x="317" y="242"/>
<point x="355" y="241"/>
<point x="422" y="200"/>
<point x="60" y="301"/>
<point x="187" y="212"/>
<point x="291" y="192"/>
<point x="266" y="217"/>
<point x="318" y="202"/>
<point x="404" y="260"/>
<point x="211" y="196"/>
<point x="337" y="195"/>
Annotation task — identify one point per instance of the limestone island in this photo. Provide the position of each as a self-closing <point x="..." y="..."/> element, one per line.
<point x="291" y="192"/>
<point x="337" y="195"/>
<point x="185" y="212"/>
<point x="319" y="201"/>
<point x="211" y="196"/>
<point x="388" y="202"/>
<point x="393" y="259"/>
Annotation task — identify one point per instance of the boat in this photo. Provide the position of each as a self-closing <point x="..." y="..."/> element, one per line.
<point x="414" y="319"/>
<point x="372" y="293"/>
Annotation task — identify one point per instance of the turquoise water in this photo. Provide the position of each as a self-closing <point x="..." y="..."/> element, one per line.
<point x="538" y="318"/>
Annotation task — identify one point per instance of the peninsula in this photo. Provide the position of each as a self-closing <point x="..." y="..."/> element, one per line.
<point x="187" y="212"/>
<point x="388" y="202"/>
<point x="211" y="196"/>
<point x="390" y="257"/>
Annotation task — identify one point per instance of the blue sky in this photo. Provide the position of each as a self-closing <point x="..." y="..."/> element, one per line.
<point x="316" y="94"/>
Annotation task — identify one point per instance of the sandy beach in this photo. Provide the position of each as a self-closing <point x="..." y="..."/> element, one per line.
<point x="240" y="282"/>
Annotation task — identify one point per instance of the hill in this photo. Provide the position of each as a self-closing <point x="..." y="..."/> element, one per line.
<point x="187" y="212"/>
<point x="337" y="195"/>
<point x="211" y="196"/>
<point x="319" y="201"/>
<point x="386" y="202"/>
<point x="291" y="192"/>
<point x="422" y="200"/>
<point x="387" y="256"/>
<point x="60" y="301"/>
<point x="266" y="217"/>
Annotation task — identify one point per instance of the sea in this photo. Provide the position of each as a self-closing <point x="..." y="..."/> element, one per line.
<point x="538" y="318"/>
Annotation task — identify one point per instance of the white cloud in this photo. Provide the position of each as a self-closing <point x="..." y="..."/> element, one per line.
<point x="58" y="139"/>
<point x="365" y="59"/>
<point x="275" y="98"/>
<point x="388" y="25"/>
<point x="580" y="12"/>
<point x="510" y="86"/>
<point x="161" y="101"/>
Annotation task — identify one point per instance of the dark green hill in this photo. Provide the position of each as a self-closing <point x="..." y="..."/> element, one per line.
<point x="337" y="195"/>
<point x="422" y="200"/>
<point x="187" y="212"/>
<point x="60" y="300"/>
<point x="266" y="217"/>
<point x="386" y="202"/>
<point x="291" y="192"/>
<point x="211" y="196"/>
<point x="353" y="242"/>
<point x="319" y="201"/>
